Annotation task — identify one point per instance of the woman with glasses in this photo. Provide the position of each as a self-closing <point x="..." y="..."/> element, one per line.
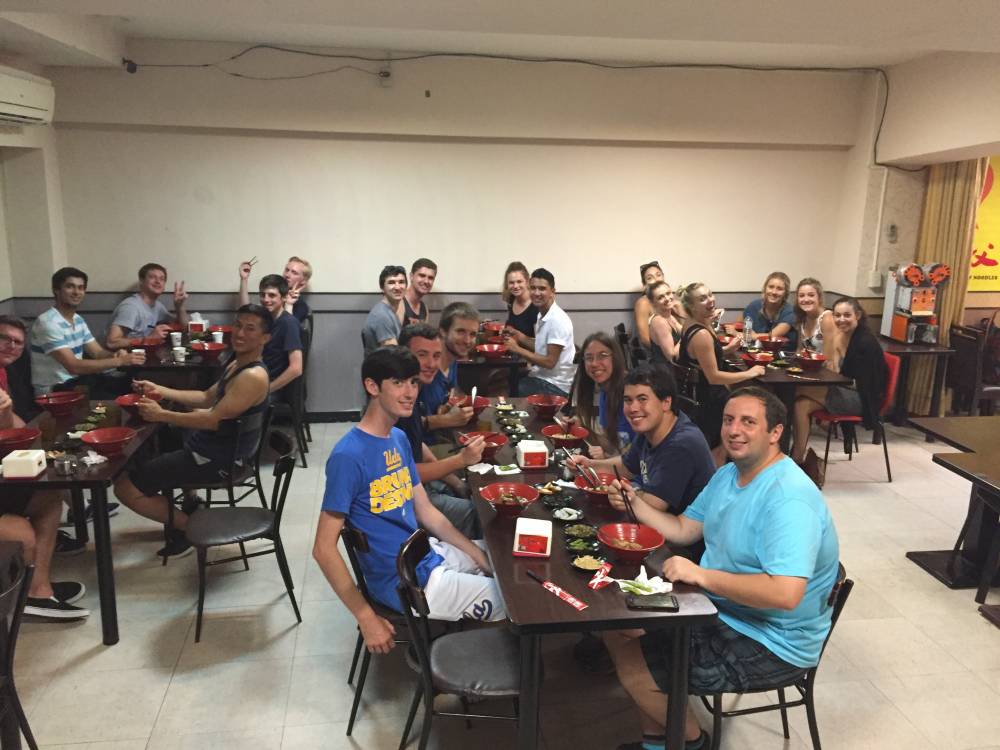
<point x="603" y="371"/>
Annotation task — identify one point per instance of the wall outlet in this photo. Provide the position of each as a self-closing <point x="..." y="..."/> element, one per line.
<point x="874" y="279"/>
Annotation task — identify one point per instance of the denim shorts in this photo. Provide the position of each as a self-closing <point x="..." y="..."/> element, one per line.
<point x="720" y="660"/>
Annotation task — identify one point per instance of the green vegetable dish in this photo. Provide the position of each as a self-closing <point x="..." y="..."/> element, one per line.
<point x="581" y="531"/>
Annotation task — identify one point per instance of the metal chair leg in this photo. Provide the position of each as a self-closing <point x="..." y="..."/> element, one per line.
<point x="425" y="730"/>
<point x="990" y="565"/>
<point x="829" y="434"/>
<point x="357" y="655"/>
<point x="414" y="705"/>
<point x="202" y="565"/>
<point x="243" y="548"/>
<point x="362" y="676"/>
<point x="22" y="720"/>
<point x="811" y="716"/>
<point x="784" y="713"/>
<point x="880" y="428"/>
<point x="716" y="722"/>
<point x="279" y="552"/>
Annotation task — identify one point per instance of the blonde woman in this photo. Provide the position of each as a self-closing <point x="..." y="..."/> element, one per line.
<point x="521" y="314"/>
<point x="664" y="327"/>
<point x="813" y="322"/>
<point x="771" y="314"/>
<point x="701" y="348"/>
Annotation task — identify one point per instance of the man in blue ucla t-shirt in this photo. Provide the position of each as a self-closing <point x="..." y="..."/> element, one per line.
<point x="372" y="484"/>
<point x="770" y="563"/>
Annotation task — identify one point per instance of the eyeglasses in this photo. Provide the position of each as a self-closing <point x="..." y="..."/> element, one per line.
<point x="10" y="341"/>
<point x="602" y="357"/>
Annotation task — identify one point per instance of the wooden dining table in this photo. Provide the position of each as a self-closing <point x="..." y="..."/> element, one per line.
<point x="95" y="479"/>
<point x="534" y="612"/>
<point x="963" y="565"/>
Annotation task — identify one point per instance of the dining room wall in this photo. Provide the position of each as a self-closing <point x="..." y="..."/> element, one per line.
<point x="723" y="175"/>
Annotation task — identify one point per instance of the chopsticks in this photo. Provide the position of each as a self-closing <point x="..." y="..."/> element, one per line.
<point x="252" y="262"/>
<point x="628" y="504"/>
<point x="582" y="471"/>
<point x="799" y="377"/>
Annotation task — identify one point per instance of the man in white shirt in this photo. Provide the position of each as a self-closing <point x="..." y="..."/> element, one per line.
<point x="552" y="350"/>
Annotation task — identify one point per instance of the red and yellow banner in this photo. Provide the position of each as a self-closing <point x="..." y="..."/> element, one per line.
<point x="984" y="265"/>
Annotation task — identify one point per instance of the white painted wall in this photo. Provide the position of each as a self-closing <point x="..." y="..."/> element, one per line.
<point x="6" y="282"/>
<point x="722" y="175"/>
<point x="201" y="203"/>
<point x="943" y="108"/>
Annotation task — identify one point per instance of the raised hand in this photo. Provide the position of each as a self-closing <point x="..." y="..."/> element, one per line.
<point x="180" y="296"/>
<point x="245" y="268"/>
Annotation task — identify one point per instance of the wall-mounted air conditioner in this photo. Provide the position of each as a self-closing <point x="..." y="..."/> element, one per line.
<point x="25" y="99"/>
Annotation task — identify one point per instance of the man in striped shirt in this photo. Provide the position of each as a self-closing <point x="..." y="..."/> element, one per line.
<point x="63" y="350"/>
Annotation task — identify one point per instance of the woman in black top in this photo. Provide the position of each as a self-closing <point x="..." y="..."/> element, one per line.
<point x="521" y="314"/>
<point x="701" y="348"/>
<point x="856" y="354"/>
<point x="664" y="327"/>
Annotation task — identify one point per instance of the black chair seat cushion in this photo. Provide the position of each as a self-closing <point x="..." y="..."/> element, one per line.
<point x="214" y="526"/>
<point x="482" y="663"/>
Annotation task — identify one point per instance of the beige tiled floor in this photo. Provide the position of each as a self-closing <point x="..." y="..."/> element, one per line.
<point x="912" y="665"/>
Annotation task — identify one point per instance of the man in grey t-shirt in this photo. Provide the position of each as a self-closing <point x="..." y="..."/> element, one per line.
<point x="385" y="320"/>
<point x="143" y="314"/>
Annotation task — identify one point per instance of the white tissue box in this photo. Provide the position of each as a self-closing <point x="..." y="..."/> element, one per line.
<point x="24" y="464"/>
<point x="533" y="454"/>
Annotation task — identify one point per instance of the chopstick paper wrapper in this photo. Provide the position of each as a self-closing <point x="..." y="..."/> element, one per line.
<point x="551" y="587"/>
<point x="601" y="578"/>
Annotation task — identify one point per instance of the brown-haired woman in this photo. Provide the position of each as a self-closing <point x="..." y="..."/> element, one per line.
<point x="603" y="370"/>
<point x="771" y="314"/>
<point x="856" y="354"/>
<point x="650" y="273"/>
<point x="664" y="327"/>
<point x="521" y="314"/>
<point x="813" y="322"/>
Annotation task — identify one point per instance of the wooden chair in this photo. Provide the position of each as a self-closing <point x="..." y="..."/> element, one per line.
<point x="473" y="664"/>
<point x="805" y="685"/>
<point x="15" y="581"/>
<point x="221" y="526"/>
<point x="308" y="334"/>
<point x="967" y="369"/>
<point x="848" y="422"/>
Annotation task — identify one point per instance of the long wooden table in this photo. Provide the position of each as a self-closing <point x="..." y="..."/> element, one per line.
<point x="962" y="566"/>
<point x="534" y="612"/>
<point x="97" y="479"/>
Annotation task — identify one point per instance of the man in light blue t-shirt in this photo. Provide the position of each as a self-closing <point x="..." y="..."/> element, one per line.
<point x="142" y="315"/>
<point x="771" y="560"/>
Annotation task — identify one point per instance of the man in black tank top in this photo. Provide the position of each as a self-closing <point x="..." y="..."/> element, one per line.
<point x="209" y="424"/>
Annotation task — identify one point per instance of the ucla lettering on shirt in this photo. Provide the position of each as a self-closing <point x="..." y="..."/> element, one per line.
<point x="392" y="490"/>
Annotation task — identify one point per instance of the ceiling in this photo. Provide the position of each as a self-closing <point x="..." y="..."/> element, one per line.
<point x="754" y="32"/>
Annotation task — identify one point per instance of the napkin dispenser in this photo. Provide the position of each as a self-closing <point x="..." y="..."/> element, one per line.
<point x="532" y="537"/>
<point x="532" y="454"/>
<point x="24" y="464"/>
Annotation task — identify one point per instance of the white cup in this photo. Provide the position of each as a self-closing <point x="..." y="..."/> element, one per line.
<point x="175" y="339"/>
<point x="217" y="336"/>
<point x="140" y="351"/>
<point x="180" y="354"/>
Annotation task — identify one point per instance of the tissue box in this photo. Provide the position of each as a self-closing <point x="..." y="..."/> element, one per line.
<point x="24" y="464"/>
<point x="532" y="537"/>
<point x="532" y="454"/>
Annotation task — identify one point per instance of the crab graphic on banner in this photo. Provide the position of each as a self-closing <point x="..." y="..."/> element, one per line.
<point x="984" y="265"/>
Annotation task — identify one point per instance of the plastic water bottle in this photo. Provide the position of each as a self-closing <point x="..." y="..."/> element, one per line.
<point x="747" y="332"/>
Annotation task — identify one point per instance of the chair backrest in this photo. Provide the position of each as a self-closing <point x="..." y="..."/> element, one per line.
<point x="621" y="336"/>
<point x="413" y="602"/>
<point x="966" y="365"/>
<point x="837" y="599"/>
<point x="891" y="380"/>
<point x="281" y="444"/>
<point x="355" y="542"/>
<point x="15" y="580"/>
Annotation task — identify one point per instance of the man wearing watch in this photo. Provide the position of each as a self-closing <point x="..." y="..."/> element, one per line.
<point x="669" y="461"/>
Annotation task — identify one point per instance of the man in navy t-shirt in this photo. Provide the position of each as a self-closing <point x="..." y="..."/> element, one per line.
<point x="283" y="353"/>
<point x="372" y="483"/>
<point x="669" y="461"/>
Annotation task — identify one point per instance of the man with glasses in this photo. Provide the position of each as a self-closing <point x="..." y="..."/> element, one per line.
<point x="27" y="516"/>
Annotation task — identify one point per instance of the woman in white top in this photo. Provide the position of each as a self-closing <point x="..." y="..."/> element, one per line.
<point x="813" y="322"/>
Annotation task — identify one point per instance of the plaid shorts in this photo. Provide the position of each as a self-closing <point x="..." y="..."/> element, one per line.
<point x="720" y="660"/>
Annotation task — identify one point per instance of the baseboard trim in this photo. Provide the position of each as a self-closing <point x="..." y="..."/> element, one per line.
<point x="317" y="417"/>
